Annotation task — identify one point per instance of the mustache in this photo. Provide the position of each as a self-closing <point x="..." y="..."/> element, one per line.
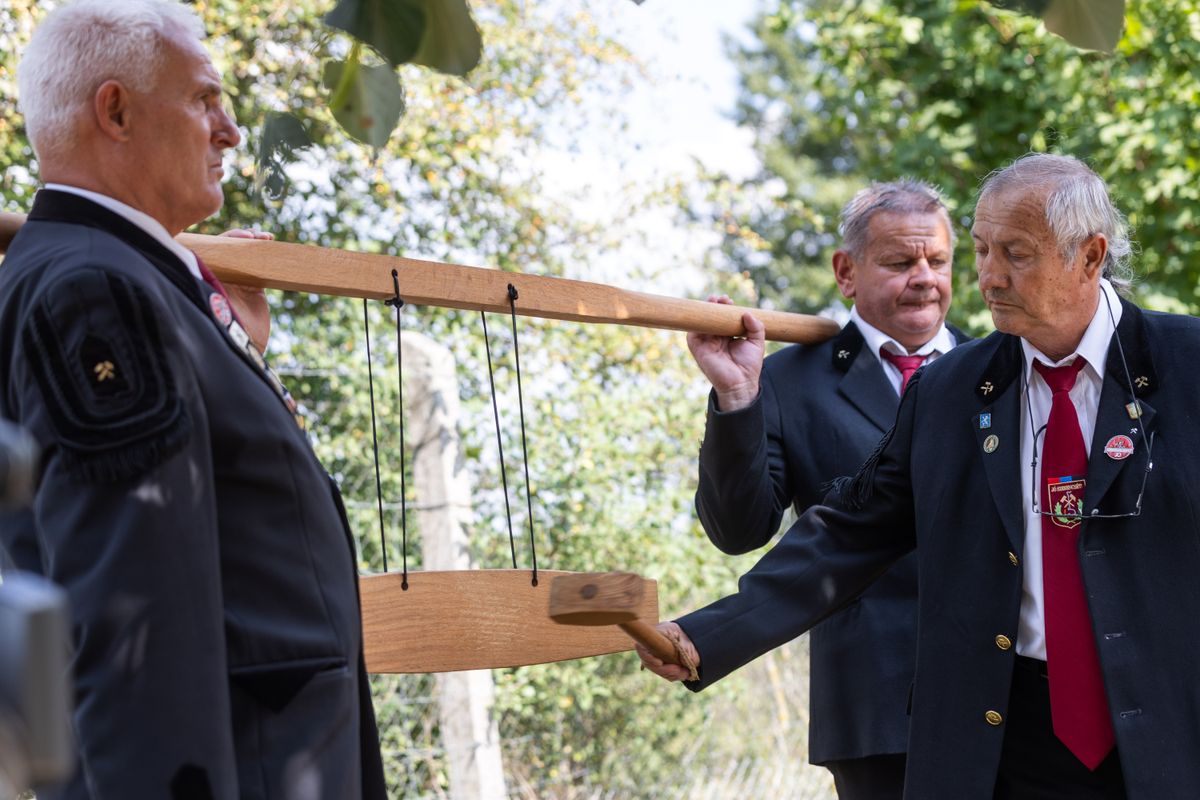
<point x="997" y="296"/>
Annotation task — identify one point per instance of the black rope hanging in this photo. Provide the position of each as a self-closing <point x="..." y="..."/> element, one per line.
<point x="396" y="302"/>
<point x="512" y="305"/>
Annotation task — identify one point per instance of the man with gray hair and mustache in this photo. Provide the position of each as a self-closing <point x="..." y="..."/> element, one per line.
<point x="1045" y="477"/>
<point x="206" y="554"/>
<point x="780" y="430"/>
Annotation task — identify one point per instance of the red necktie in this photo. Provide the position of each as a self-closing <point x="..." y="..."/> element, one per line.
<point x="212" y="281"/>
<point x="209" y="278"/>
<point x="906" y="364"/>
<point x="1078" y="706"/>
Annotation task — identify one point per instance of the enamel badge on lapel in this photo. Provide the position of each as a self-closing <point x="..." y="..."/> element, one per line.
<point x="1134" y="410"/>
<point x="220" y="309"/>
<point x="1119" y="448"/>
<point x="991" y="443"/>
<point x="985" y="421"/>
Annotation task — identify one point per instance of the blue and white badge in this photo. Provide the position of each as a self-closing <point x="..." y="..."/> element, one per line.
<point x="985" y="421"/>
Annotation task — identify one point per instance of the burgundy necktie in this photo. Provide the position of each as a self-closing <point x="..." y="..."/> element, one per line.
<point x="1078" y="706"/>
<point x="209" y="278"/>
<point x="906" y="364"/>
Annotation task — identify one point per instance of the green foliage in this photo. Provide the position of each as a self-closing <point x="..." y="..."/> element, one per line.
<point x="367" y="101"/>
<point x="1090" y="24"/>
<point x="393" y="27"/>
<point x="841" y="94"/>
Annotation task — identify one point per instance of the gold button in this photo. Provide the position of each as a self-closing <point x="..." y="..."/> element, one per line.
<point x="1003" y="642"/>
<point x="1012" y="557"/>
<point x="993" y="717"/>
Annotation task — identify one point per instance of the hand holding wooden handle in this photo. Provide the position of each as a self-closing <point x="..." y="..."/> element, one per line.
<point x="611" y="598"/>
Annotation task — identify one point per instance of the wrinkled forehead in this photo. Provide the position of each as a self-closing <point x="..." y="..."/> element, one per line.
<point x="1017" y="209"/>
<point x="908" y="230"/>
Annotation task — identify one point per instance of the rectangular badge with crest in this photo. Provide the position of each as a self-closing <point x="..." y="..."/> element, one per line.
<point x="1064" y="496"/>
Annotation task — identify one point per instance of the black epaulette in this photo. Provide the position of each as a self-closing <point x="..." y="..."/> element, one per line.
<point x="94" y="346"/>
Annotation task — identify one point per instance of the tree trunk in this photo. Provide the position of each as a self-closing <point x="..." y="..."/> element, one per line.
<point x="465" y="699"/>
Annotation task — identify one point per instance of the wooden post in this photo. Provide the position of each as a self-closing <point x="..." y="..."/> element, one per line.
<point x="465" y="699"/>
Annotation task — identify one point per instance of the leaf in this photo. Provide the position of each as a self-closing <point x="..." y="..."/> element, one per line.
<point x="283" y="135"/>
<point x="393" y="27"/>
<point x="367" y="101"/>
<point x="1089" y="24"/>
<point x="434" y="33"/>
<point x="451" y="43"/>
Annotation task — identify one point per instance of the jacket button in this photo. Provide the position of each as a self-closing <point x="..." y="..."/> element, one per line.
<point x="1003" y="642"/>
<point x="1012" y="557"/>
<point x="993" y="718"/>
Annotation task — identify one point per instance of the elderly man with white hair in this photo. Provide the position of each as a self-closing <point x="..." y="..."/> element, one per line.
<point x="1046" y="478"/>
<point x="206" y="553"/>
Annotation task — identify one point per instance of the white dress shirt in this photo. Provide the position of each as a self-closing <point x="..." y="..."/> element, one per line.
<point x="876" y="340"/>
<point x="144" y="221"/>
<point x="1035" y="410"/>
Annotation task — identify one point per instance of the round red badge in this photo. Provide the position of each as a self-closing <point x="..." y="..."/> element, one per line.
<point x="220" y="309"/>
<point x="1119" y="448"/>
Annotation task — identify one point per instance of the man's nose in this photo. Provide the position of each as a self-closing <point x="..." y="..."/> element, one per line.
<point x="226" y="133"/>
<point x="989" y="276"/>
<point x="921" y="274"/>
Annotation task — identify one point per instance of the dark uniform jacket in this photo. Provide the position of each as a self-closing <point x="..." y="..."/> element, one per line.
<point x="821" y="411"/>
<point x="936" y="487"/>
<point x="210" y="568"/>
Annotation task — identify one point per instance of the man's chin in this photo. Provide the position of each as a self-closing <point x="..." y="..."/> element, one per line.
<point x="1005" y="320"/>
<point x="921" y="322"/>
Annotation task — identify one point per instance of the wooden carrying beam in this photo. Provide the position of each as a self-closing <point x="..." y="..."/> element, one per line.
<point x="478" y="619"/>
<point x="308" y="268"/>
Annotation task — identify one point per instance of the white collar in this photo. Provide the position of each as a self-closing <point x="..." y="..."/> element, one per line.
<point x="1096" y="339"/>
<point x="139" y="218"/>
<point x="941" y="343"/>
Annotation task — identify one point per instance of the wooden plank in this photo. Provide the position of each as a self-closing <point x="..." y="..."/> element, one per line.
<point x="477" y="619"/>
<point x="308" y="268"/>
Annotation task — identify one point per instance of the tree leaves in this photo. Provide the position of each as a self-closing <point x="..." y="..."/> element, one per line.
<point x="393" y="27"/>
<point x="434" y="33"/>
<point x="1088" y="24"/>
<point x="451" y="43"/>
<point x="367" y="101"/>
<point x="283" y="135"/>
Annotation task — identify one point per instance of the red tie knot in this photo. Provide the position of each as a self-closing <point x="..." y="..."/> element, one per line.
<point x="906" y="364"/>
<point x="1060" y="379"/>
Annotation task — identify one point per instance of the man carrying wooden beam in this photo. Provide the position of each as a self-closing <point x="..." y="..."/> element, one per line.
<point x="779" y="431"/>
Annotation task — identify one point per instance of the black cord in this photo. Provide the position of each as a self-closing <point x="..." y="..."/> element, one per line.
<point x="398" y="303"/>
<point x="512" y="304"/>
<point x="374" y="436"/>
<point x="512" y="544"/>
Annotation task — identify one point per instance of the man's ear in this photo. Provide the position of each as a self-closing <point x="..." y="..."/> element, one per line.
<point x="1091" y="255"/>
<point x="110" y="105"/>
<point x="843" y="272"/>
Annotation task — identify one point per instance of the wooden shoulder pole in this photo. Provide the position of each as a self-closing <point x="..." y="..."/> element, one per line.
<point x="308" y="268"/>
